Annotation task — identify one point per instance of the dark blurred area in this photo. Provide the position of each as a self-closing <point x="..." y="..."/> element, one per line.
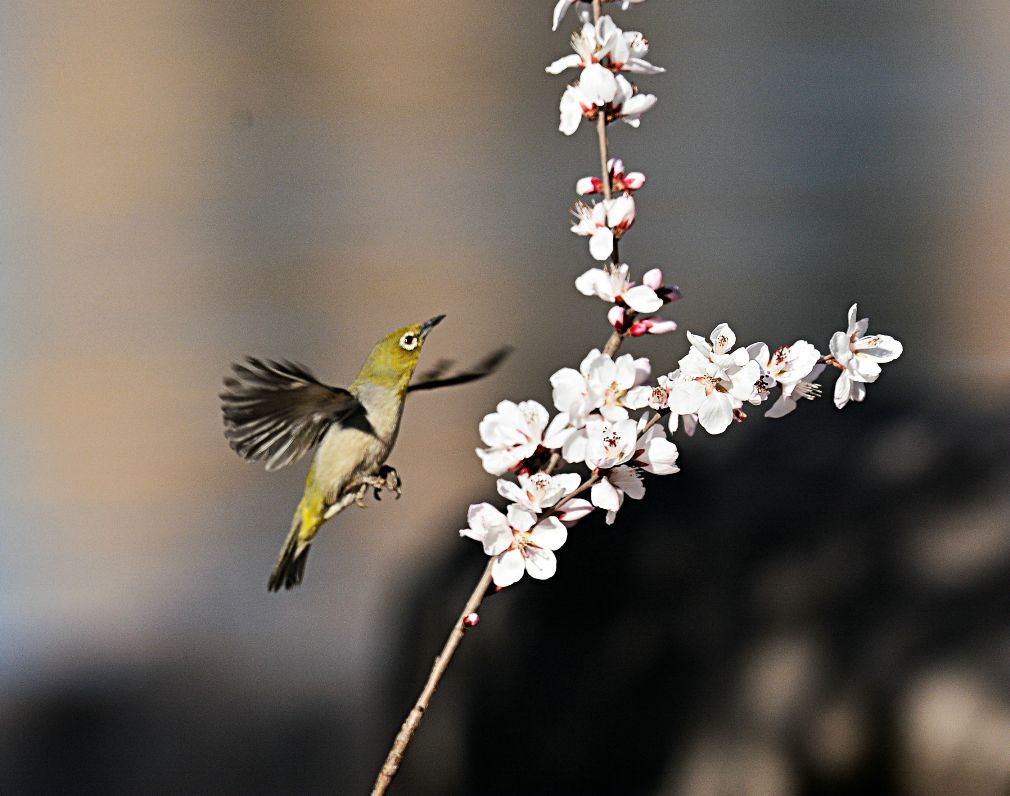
<point x="814" y="605"/>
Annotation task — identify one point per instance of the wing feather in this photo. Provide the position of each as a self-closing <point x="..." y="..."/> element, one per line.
<point x="277" y="411"/>
<point x="441" y="375"/>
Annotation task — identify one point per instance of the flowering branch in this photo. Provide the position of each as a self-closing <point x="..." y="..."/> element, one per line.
<point x="594" y="427"/>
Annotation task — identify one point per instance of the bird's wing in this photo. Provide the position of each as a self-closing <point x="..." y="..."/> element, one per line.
<point x="439" y="375"/>
<point x="276" y="412"/>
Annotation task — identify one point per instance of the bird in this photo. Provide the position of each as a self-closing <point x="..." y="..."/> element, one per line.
<point x="276" y="411"/>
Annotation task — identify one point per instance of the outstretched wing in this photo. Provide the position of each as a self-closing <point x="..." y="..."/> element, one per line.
<point x="276" y="412"/>
<point x="439" y="375"/>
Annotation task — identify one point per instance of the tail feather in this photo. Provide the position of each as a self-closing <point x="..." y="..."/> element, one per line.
<point x="290" y="567"/>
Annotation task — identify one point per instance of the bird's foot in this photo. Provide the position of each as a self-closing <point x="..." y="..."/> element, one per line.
<point x="359" y="497"/>
<point x="389" y="479"/>
<point x="386" y="478"/>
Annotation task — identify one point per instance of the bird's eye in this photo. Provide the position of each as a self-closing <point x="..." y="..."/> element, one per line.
<point x="408" y="342"/>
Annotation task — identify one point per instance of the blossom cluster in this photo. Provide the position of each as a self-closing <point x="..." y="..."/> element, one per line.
<point x="607" y="411"/>
<point x="594" y="427"/>
<point x="603" y="53"/>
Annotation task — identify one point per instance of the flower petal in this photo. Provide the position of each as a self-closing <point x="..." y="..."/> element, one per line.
<point x="642" y="298"/>
<point x="560" y="65"/>
<point x="782" y="407"/>
<point x="508" y="568"/>
<point x="540" y="564"/>
<point x="716" y="413"/>
<point x="520" y="518"/>
<point x="559" y="11"/>
<point x="574" y="510"/>
<point x="686" y="397"/>
<point x="842" y="386"/>
<point x="598" y="84"/>
<point x="601" y="243"/>
<point x="558" y="431"/>
<point x="571" y="111"/>
<point x="549" y="533"/>
<point x="568" y="483"/>
<point x="605" y="496"/>
<point x="628" y="481"/>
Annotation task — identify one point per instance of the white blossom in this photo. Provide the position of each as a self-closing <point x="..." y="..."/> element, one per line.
<point x="654" y="453"/>
<point x="598" y="86"/>
<point x="539" y="491"/>
<point x="627" y="49"/>
<point x="514" y="432"/>
<point x="604" y="384"/>
<point x="794" y="368"/>
<point x="609" y="443"/>
<point x="519" y="543"/>
<point x="613" y="285"/>
<point x="714" y="380"/>
<point x="859" y="356"/>
<point x="629" y="106"/>
<point x="609" y="492"/>
<point x="619" y="181"/>
<point x="603" y="223"/>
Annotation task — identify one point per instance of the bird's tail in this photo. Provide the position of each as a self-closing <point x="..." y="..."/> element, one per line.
<point x="290" y="566"/>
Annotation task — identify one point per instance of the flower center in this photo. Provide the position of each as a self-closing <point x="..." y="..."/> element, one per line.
<point x="522" y="540"/>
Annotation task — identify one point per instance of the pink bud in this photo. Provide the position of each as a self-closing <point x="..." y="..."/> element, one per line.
<point x="588" y="185"/>
<point x="616" y="317"/>
<point x="615" y="166"/>
<point x="574" y="510"/>
<point x="653" y="278"/>
<point x="634" y="181"/>
<point x="662" y="327"/>
<point x="651" y="326"/>
<point x="471" y="620"/>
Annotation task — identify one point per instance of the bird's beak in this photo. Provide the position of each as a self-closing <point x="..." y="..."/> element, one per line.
<point x="427" y="326"/>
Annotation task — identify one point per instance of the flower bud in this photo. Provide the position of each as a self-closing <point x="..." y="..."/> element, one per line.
<point x="653" y="278"/>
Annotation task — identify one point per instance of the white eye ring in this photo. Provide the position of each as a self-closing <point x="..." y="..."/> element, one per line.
<point x="409" y="341"/>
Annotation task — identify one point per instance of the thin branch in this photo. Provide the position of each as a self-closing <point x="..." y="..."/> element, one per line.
<point x="413" y="720"/>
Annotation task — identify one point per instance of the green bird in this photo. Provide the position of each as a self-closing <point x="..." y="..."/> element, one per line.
<point x="276" y="412"/>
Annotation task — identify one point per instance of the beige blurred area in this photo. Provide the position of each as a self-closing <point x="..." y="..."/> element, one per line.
<point x="194" y="182"/>
<point x="185" y="183"/>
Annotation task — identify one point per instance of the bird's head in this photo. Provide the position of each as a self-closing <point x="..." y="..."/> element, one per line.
<point x="394" y="357"/>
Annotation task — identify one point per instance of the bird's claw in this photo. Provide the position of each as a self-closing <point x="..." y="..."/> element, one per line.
<point x="359" y="498"/>
<point x="386" y="478"/>
<point x="390" y="480"/>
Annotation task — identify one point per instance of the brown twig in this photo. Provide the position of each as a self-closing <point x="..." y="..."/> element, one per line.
<point x="410" y="724"/>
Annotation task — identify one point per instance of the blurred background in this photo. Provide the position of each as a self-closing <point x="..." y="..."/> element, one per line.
<point x="814" y="605"/>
